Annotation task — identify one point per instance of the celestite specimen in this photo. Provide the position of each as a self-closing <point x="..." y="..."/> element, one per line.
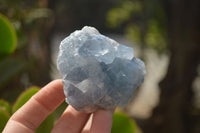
<point x="98" y="72"/>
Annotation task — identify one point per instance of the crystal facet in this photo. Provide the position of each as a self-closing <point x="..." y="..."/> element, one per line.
<point x="98" y="72"/>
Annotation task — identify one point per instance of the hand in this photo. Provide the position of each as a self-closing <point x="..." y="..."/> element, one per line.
<point x="31" y="115"/>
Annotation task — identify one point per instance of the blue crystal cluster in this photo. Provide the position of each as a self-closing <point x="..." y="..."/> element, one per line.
<point x="98" y="72"/>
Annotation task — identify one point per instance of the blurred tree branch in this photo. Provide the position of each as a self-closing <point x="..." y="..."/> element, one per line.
<point x="174" y="113"/>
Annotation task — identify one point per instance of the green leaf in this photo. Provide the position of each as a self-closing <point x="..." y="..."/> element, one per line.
<point x="47" y="124"/>
<point x="9" y="67"/>
<point x="122" y="124"/>
<point x="59" y="111"/>
<point x="24" y="97"/>
<point x="4" y="117"/>
<point x="8" y="37"/>
<point x="4" y="105"/>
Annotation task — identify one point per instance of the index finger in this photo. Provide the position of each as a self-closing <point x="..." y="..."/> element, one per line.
<point x="31" y="114"/>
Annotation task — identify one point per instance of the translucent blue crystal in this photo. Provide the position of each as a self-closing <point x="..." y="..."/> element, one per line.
<point x="98" y="72"/>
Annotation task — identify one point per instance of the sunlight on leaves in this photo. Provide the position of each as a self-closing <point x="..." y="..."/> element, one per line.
<point x="154" y="37"/>
<point x="118" y="15"/>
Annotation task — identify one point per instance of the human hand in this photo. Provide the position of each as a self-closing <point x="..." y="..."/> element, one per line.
<point x="31" y="115"/>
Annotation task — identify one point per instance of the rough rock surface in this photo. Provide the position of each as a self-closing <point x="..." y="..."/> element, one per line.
<point x="98" y="72"/>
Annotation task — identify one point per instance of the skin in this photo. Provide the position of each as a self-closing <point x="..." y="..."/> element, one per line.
<point x="31" y="115"/>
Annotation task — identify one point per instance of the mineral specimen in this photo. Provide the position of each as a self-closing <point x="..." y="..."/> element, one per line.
<point x="98" y="72"/>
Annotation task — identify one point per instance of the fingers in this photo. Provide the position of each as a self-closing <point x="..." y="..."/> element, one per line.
<point x="30" y="116"/>
<point x="87" y="126"/>
<point x="101" y="122"/>
<point x="71" y="121"/>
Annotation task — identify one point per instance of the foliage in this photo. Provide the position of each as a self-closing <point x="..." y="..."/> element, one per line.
<point x="47" y="124"/>
<point x="4" y="118"/>
<point x="23" y="35"/>
<point x="143" y="23"/>
<point x="154" y="37"/>
<point x="5" y="111"/>
<point x="8" y="37"/>
<point x="133" y="33"/>
<point x="4" y="105"/>
<point x="123" y="124"/>
<point x="118" y="15"/>
<point x="10" y="67"/>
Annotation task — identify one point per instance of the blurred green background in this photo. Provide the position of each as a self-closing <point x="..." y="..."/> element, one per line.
<point x="164" y="33"/>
